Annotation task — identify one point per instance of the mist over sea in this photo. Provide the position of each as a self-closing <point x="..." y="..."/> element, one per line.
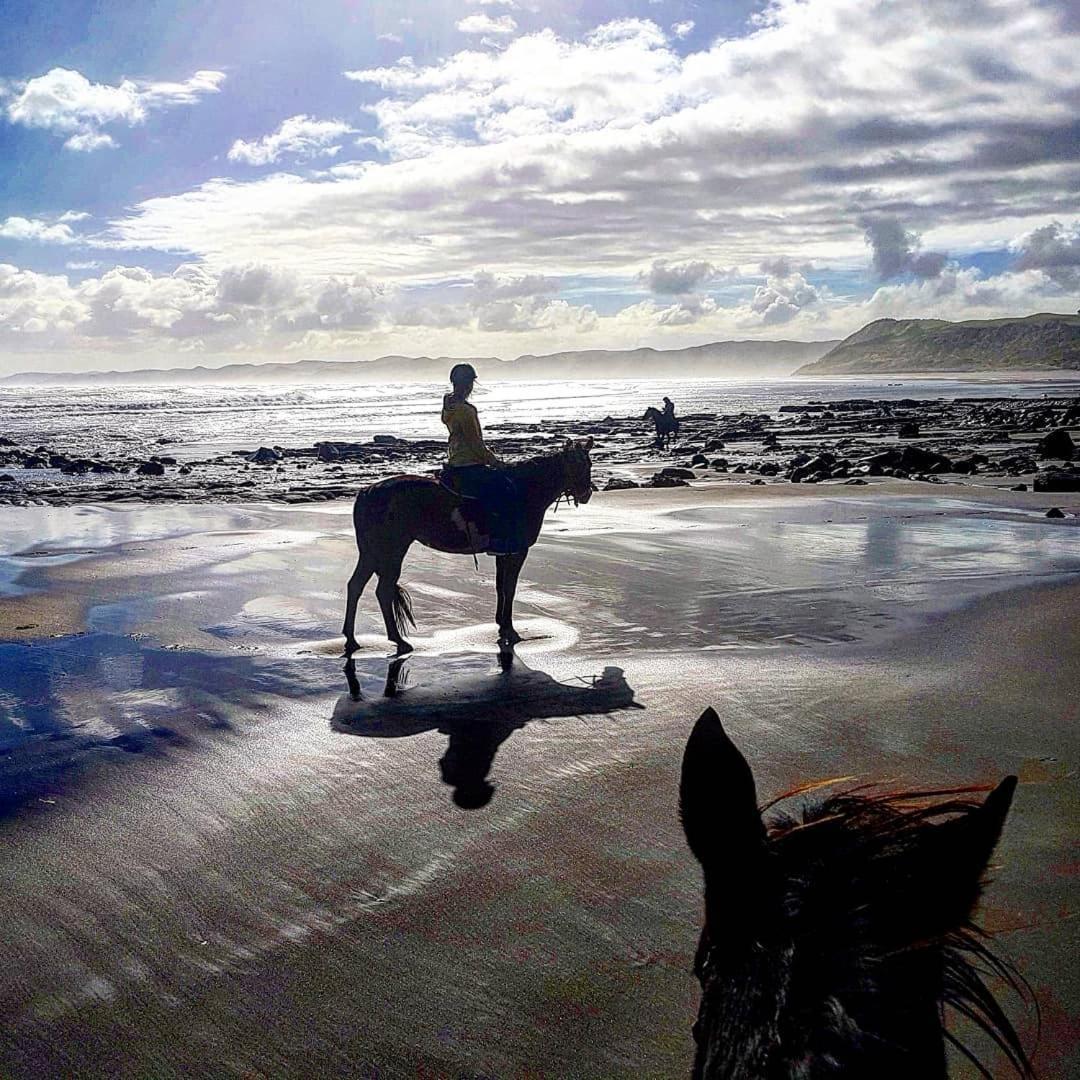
<point x="202" y="419"/>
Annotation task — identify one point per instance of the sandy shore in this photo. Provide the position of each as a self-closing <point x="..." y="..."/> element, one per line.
<point x="218" y="862"/>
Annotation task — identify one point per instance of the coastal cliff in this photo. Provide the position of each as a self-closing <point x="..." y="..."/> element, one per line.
<point x="1037" y="342"/>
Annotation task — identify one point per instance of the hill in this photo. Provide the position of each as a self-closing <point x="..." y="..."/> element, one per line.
<point x="719" y="358"/>
<point x="1045" y="341"/>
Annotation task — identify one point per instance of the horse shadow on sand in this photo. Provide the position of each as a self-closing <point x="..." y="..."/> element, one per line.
<point x="478" y="711"/>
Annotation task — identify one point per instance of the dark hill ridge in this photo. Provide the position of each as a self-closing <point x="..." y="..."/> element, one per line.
<point x="719" y="358"/>
<point x="1037" y="342"/>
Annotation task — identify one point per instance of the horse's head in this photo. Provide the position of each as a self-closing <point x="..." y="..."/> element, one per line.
<point x="832" y="942"/>
<point x="578" y="466"/>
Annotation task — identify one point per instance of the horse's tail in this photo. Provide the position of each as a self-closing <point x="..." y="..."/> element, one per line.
<point x="403" y="612"/>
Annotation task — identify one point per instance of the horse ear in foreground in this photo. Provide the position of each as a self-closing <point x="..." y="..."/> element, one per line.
<point x="833" y="942"/>
<point x="392" y="515"/>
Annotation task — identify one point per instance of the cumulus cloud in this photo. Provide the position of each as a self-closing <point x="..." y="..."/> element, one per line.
<point x="45" y="232"/>
<point x="481" y="23"/>
<point x="780" y="299"/>
<point x="300" y="137"/>
<point x="676" y="278"/>
<point x="1053" y="249"/>
<point x="66" y="102"/>
<point x="683" y="29"/>
<point x="896" y="249"/>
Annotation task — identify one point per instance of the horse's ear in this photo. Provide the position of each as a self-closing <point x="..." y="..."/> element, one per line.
<point x="718" y="800"/>
<point x="952" y="865"/>
<point x="587" y="444"/>
<point x="569" y="446"/>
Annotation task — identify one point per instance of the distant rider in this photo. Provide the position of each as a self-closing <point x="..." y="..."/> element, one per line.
<point x="669" y="409"/>
<point x="474" y="471"/>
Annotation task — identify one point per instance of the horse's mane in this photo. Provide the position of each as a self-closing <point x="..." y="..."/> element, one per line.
<point x="852" y="830"/>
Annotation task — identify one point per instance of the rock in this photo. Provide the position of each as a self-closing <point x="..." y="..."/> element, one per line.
<point x="662" y="481"/>
<point x="185" y="470"/>
<point x="1054" y="512"/>
<point x="699" y="459"/>
<point x="5" y="441"/>
<point x="1058" y="444"/>
<point x="758" y="483"/>
<point x="327" y="452"/>
<point x="821" y="464"/>
<point x="264" y="456"/>
<point x="1057" y="480"/>
<point x="150" y="468"/>
<point x="385" y="440"/>
<point x="855" y="480"/>
<point x="1019" y="487"/>
<point x="164" y="459"/>
<point x="910" y="459"/>
<point x="35" y="461"/>
<point x="7" y="478"/>
<point x="908" y="430"/>
<point x="620" y="483"/>
<point x="674" y="473"/>
<point x="720" y="463"/>
<point x="968" y="466"/>
<point x="739" y="469"/>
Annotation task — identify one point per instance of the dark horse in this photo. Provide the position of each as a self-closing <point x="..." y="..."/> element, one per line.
<point x="834" y="941"/>
<point x="392" y="515"/>
<point x="667" y="427"/>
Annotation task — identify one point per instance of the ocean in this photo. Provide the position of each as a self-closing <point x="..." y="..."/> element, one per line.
<point x="213" y="419"/>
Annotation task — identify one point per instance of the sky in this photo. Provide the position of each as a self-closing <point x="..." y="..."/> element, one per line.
<point x="186" y="182"/>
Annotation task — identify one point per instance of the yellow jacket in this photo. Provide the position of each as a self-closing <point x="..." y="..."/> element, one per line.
<point x="466" y="440"/>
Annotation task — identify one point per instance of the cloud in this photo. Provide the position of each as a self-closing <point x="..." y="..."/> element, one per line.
<point x="682" y="29"/>
<point x="66" y="102"/>
<point x="780" y="299"/>
<point x="301" y="137"/>
<point x="487" y="24"/>
<point x="896" y="250"/>
<point x="1055" y="250"/>
<point x="34" y="229"/>
<point x="676" y="278"/>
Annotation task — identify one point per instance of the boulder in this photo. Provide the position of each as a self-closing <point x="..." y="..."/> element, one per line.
<point x="150" y="468"/>
<point x="908" y="430"/>
<point x="910" y="459"/>
<point x="1019" y="487"/>
<point x="720" y="463"/>
<point x="855" y="480"/>
<point x="674" y="473"/>
<point x="699" y="459"/>
<point x="662" y="481"/>
<point x="620" y="483"/>
<point x="1057" y="480"/>
<point x="821" y="464"/>
<point x="6" y="478"/>
<point x="1054" y="512"/>
<point x="385" y="440"/>
<point x="327" y="452"/>
<point x="264" y="456"/>
<point x="1058" y="444"/>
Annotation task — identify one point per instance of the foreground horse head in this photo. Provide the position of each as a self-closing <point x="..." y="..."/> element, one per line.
<point x="833" y="941"/>
<point x="578" y="469"/>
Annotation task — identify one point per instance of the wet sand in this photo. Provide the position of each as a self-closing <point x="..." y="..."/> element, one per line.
<point x="224" y="855"/>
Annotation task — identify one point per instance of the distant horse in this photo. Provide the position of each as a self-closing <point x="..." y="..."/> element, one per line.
<point x="667" y="427"/>
<point x="392" y="515"/>
<point x="833" y="942"/>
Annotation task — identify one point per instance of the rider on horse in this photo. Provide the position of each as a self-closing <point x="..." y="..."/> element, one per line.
<point x="473" y="471"/>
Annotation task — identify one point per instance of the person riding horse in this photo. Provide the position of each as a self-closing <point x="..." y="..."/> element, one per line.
<point x="473" y="471"/>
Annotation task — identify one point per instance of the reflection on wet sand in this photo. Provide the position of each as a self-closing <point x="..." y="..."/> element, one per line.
<point x="478" y="711"/>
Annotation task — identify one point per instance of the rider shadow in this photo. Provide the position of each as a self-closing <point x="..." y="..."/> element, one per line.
<point x="478" y="712"/>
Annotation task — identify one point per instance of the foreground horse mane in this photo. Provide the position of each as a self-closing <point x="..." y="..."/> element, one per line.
<point x="859" y="827"/>
<point x="837" y="935"/>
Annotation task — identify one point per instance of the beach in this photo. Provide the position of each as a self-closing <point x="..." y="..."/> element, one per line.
<point x="226" y="855"/>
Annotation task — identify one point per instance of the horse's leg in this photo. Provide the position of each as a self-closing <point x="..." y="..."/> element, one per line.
<point x="500" y="590"/>
<point x="507" y="634"/>
<point x="389" y="572"/>
<point x="360" y="577"/>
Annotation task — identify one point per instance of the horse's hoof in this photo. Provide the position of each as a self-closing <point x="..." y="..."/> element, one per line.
<point x="403" y="648"/>
<point x="351" y="645"/>
<point x="512" y="638"/>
